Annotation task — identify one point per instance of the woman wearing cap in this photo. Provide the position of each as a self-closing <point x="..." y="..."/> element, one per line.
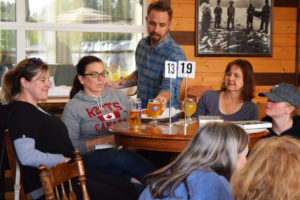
<point x="281" y="110"/>
<point x="233" y="100"/>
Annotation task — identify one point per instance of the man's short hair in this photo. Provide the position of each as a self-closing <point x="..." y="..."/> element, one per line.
<point x="160" y="6"/>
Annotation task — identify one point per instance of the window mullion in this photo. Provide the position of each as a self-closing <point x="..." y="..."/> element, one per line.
<point x="21" y="34"/>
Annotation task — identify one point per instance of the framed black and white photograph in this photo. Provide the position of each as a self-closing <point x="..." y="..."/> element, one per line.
<point x="234" y="28"/>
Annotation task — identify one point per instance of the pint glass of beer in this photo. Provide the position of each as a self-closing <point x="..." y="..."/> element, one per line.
<point x="135" y="113"/>
<point x="154" y="109"/>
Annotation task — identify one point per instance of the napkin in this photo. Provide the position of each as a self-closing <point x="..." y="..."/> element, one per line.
<point x="165" y="114"/>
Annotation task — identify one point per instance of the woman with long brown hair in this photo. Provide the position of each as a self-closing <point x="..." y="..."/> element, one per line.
<point x="233" y="100"/>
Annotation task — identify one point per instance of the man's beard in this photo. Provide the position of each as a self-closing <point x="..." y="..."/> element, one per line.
<point x="154" y="40"/>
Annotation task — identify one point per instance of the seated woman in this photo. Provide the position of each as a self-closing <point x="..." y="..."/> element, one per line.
<point x="203" y="169"/>
<point x="233" y="101"/>
<point x="271" y="172"/>
<point x="88" y="115"/>
<point x="41" y="138"/>
<point x="281" y="110"/>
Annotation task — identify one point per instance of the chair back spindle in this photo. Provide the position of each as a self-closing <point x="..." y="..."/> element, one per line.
<point x="55" y="176"/>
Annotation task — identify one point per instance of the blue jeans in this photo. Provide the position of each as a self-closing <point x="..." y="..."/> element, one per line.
<point x="123" y="163"/>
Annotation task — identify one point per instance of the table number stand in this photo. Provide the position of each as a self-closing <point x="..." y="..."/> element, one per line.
<point x="170" y="72"/>
<point x="186" y="69"/>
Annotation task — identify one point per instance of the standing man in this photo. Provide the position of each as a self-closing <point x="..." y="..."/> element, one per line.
<point x="250" y="14"/>
<point x="265" y="17"/>
<point x="218" y="14"/>
<point x="230" y="15"/>
<point x="151" y="54"/>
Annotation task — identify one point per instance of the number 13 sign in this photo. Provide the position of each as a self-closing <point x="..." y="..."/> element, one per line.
<point x="186" y="69"/>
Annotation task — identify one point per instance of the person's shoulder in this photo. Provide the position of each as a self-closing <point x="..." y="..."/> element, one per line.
<point x="174" y="45"/>
<point x="211" y="93"/>
<point x="114" y="92"/>
<point x="20" y="106"/>
<point x="250" y="104"/>
<point x="145" y="195"/>
<point x="143" y="41"/>
<point x="207" y="176"/>
<point x="214" y="185"/>
<point x="21" y="110"/>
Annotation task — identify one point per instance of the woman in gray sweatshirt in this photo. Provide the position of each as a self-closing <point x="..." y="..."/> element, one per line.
<point x="88" y="115"/>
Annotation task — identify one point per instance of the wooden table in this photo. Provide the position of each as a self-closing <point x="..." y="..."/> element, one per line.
<point x="162" y="137"/>
<point x="55" y="105"/>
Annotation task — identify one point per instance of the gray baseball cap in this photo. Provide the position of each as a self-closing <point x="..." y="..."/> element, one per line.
<point x="284" y="92"/>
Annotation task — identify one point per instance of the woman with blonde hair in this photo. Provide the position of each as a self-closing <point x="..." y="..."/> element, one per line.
<point x="203" y="169"/>
<point x="281" y="110"/>
<point x="39" y="137"/>
<point x="271" y="172"/>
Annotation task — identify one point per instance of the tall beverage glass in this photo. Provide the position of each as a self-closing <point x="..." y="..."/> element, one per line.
<point x="154" y="109"/>
<point x="191" y="107"/>
<point x="135" y="113"/>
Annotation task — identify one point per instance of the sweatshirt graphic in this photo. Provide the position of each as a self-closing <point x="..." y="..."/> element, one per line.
<point x="110" y="116"/>
<point x="89" y="117"/>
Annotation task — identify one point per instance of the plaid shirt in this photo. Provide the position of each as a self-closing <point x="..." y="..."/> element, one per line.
<point x="150" y="71"/>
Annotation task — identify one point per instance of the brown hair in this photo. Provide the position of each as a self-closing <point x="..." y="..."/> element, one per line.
<point x="27" y="68"/>
<point x="248" y="75"/>
<point x="81" y="67"/>
<point x="162" y="6"/>
<point x="271" y="172"/>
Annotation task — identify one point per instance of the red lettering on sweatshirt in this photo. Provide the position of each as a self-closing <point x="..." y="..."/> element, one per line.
<point x="107" y="108"/>
<point x="108" y="105"/>
<point x="106" y="125"/>
<point x="92" y="113"/>
<point x="117" y="106"/>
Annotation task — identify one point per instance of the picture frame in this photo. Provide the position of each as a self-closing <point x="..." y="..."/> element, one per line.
<point x="234" y="28"/>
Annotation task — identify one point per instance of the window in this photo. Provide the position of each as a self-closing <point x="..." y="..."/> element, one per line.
<point x="60" y="32"/>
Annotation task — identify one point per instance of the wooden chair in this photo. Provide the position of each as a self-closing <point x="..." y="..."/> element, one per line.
<point x="12" y="161"/>
<point x="196" y="92"/>
<point x="261" y="109"/>
<point x="54" y="177"/>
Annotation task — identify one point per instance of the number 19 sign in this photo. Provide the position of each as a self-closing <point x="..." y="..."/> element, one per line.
<point x="186" y="69"/>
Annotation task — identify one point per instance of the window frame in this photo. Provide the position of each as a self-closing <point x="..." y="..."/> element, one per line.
<point x="21" y="26"/>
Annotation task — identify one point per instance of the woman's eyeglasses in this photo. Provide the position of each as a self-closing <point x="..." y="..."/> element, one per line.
<point x="96" y="74"/>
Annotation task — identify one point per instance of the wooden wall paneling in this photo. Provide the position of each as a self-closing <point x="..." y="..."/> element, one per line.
<point x="284" y="39"/>
<point x="183" y="10"/>
<point x="284" y="26"/>
<point x="284" y="13"/>
<point x="183" y="24"/>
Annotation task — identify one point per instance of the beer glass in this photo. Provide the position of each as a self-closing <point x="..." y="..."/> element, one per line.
<point x="154" y="109"/>
<point x="135" y="113"/>
<point x="191" y="107"/>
